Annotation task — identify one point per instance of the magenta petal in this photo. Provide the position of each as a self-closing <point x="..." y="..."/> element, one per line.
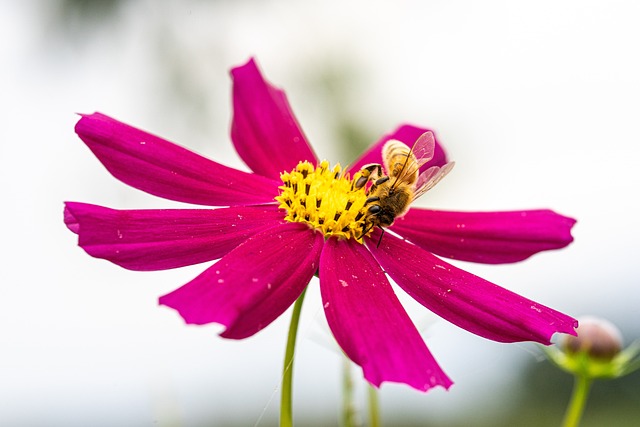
<point x="70" y="220"/>
<point x="253" y="284"/>
<point x="168" y="238"/>
<point x="369" y="322"/>
<point x="466" y="300"/>
<point x="407" y="134"/>
<point x="164" y="169"/>
<point x="264" y="131"/>
<point x="487" y="237"/>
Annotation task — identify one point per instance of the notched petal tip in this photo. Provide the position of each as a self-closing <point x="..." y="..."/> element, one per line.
<point x="568" y="224"/>
<point x="172" y="301"/>
<point x="250" y="64"/>
<point x="440" y="379"/>
<point x="88" y="122"/>
<point x="569" y="327"/>
<point x="69" y="219"/>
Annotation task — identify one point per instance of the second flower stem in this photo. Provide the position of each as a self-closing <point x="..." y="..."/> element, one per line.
<point x="578" y="401"/>
<point x="286" y="412"/>
<point x="374" y="407"/>
<point x="348" y="409"/>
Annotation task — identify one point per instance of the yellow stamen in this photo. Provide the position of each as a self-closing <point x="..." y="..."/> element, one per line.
<point x="325" y="199"/>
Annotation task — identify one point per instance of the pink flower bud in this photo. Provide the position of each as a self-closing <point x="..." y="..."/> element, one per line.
<point x="599" y="338"/>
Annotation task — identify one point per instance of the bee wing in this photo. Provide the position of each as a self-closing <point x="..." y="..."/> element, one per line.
<point x="424" y="148"/>
<point x="429" y="178"/>
<point x="421" y="152"/>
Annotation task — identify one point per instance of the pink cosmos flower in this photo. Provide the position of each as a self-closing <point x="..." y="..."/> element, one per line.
<point x="267" y="254"/>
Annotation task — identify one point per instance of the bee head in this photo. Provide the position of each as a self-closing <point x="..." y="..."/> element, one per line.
<point x="384" y="218"/>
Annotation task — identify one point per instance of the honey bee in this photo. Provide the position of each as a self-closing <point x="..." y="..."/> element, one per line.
<point x="391" y="195"/>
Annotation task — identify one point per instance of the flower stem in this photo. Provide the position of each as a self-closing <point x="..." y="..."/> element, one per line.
<point x="348" y="412"/>
<point x="286" y="414"/>
<point x="578" y="401"/>
<point x="374" y="407"/>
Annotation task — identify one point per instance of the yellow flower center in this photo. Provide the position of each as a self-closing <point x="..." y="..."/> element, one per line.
<point x="325" y="199"/>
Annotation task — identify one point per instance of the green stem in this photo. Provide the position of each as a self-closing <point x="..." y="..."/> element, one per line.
<point x="374" y="407"/>
<point x="581" y="388"/>
<point x="286" y="413"/>
<point x="348" y="411"/>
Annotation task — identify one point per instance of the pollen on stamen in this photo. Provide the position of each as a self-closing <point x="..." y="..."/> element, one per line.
<point x="325" y="199"/>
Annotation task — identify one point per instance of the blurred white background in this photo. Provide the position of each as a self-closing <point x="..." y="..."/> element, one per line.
<point x="537" y="102"/>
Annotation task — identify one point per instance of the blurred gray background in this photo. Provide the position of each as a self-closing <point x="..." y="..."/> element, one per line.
<point x="537" y="102"/>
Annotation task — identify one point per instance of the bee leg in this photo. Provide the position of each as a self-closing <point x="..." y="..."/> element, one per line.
<point x="365" y="231"/>
<point x="380" y="240"/>
<point x="361" y="182"/>
<point x="374" y="169"/>
<point x="368" y="172"/>
<point x="381" y="180"/>
<point x="371" y="199"/>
